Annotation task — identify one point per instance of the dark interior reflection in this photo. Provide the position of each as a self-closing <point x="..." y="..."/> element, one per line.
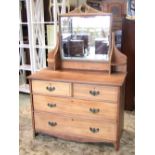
<point x="85" y="37"/>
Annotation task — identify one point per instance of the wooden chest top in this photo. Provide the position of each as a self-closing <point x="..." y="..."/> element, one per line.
<point x="116" y="79"/>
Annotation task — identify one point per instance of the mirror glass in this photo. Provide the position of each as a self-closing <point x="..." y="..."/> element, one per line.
<point x="85" y="37"/>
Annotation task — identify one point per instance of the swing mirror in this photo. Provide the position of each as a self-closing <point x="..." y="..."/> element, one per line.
<point x="85" y="37"/>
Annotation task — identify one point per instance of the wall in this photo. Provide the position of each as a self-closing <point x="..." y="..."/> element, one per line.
<point x="77" y="2"/>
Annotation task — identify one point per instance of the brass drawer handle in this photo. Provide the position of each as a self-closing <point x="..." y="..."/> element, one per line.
<point x="52" y="123"/>
<point x="51" y="105"/>
<point x="94" y="93"/>
<point x="50" y="88"/>
<point x="94" y="111"/>
<point x="94" y="130"/>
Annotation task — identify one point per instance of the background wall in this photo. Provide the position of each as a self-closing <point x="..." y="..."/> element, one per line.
<point x="77" y="2"/>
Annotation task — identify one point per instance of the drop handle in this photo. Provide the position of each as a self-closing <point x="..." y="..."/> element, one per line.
<point x="51" y="105"/>
<point x="53" y="124"/>
<point x="94" y="130"/>
<point x="94" y="111"/>
<point x="94" y="92"/>
<point x="50" y="88"/>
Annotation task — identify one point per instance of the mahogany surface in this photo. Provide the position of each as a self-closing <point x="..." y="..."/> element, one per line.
<point x="128" y="48"/>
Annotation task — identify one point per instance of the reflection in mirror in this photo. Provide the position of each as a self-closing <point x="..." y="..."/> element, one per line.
<point x="85" y="38"/>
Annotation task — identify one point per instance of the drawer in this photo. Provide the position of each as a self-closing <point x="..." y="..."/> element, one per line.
<point x="88" y="109"/>
<point x="51" y="88"/>
<point x="96" y="92"/>
<point x="71" y="127"/>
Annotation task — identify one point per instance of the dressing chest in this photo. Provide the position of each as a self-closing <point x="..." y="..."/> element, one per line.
<point x="80" y="99"/>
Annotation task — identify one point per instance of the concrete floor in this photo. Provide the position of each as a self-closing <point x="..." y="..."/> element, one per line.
<point x="46" y="145"/>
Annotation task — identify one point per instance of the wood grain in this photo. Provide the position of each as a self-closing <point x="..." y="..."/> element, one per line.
<point x="32" y="108"/>
<point x="60" y="88"/>
<point x="128" y="48"/>
<point x="85" y="65"/>
<point x="100" y="78"/>
<point x="73" y="126"/>
<point x="75" y="107"/>
<point x="105" y="93"/>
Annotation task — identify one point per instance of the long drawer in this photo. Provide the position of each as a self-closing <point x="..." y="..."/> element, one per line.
<point x="87" y="109"/>
<point x="51" y="88"/>
<point x="67" y="126"/>
<point x="96" y="92"/>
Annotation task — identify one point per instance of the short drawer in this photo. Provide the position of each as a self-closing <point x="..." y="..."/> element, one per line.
<point x="88" y="109"/>
<point x="72" y="127"/>
<point x="51" y="88"/>
<point x="96" y="92"/>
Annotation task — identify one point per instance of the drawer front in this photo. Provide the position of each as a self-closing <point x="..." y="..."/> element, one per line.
<point x="51" y="88"/>
<point x="96" y="92"/>
<point x="65" y="126"/>
<point x="87" y="109"/>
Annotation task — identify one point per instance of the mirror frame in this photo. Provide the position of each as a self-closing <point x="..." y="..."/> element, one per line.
<point x="117" y="60"/>
<point x="85" y="14"/>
